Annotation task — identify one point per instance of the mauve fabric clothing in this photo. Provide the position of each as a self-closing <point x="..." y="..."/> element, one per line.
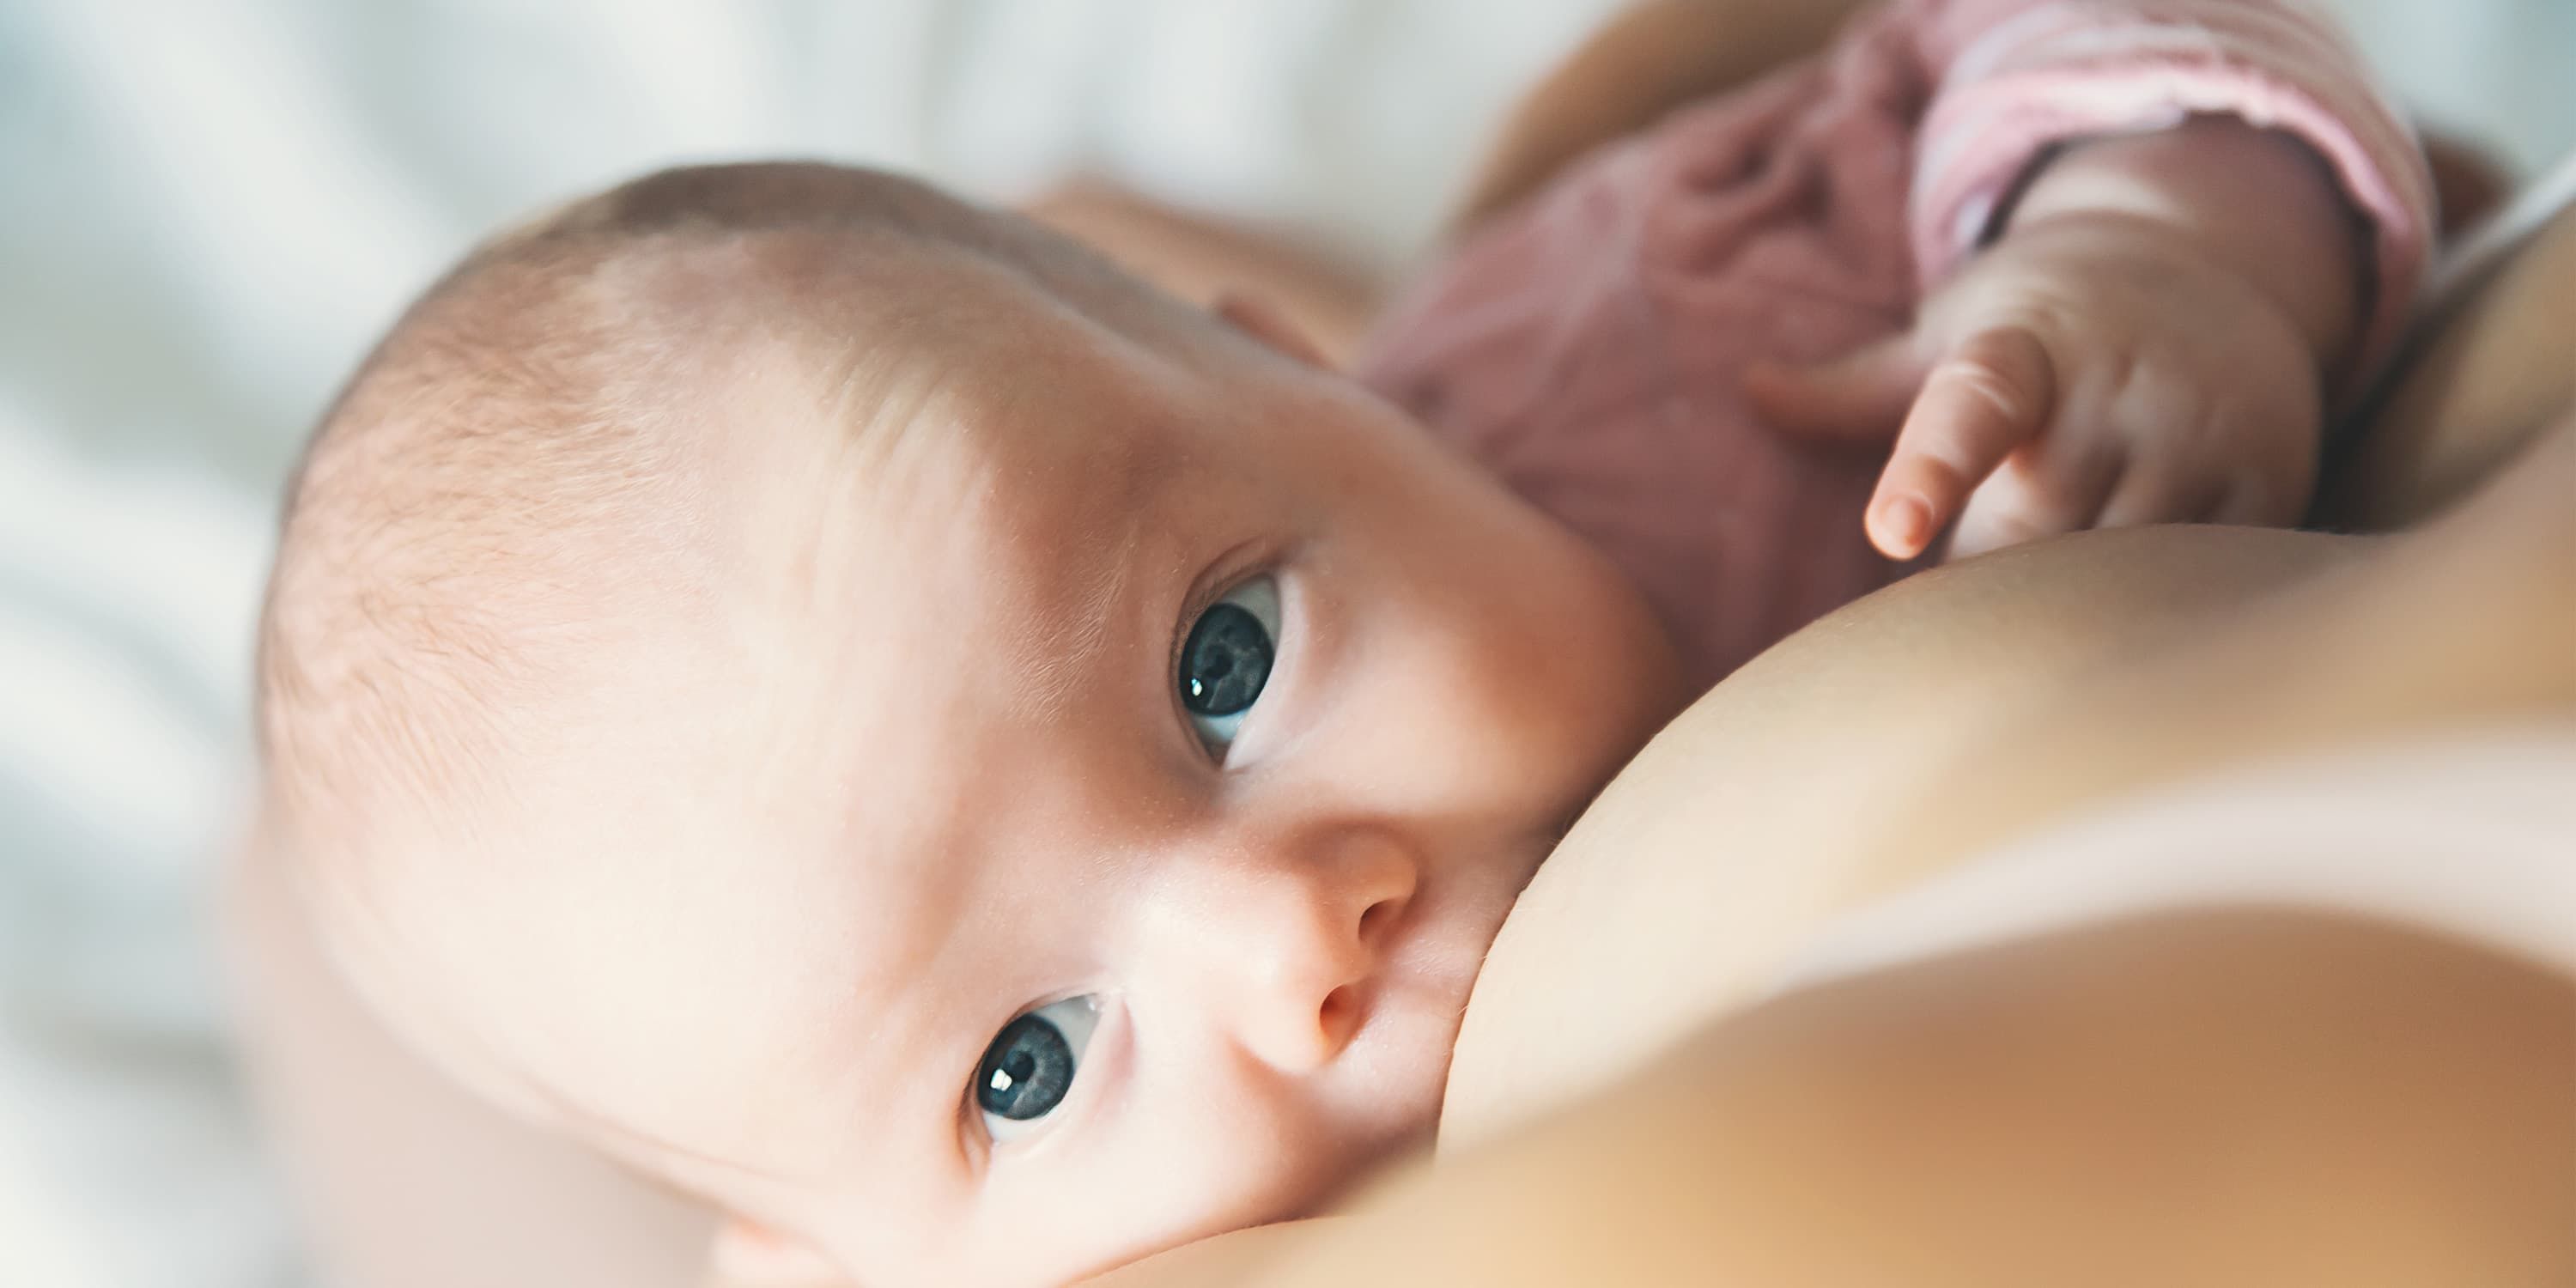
<point x="1588" y="344"/>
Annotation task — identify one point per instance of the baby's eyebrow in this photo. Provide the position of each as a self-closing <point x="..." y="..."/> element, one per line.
<point x="1056" y="660"/>
<point x="1077" y="616"/>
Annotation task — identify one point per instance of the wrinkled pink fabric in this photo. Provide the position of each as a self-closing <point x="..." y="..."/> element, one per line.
<point x="1587" y="345"/>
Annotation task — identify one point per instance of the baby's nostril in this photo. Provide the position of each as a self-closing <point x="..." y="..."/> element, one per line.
<point x="1340" y="1014"/>
<point x="1374" y="918"/>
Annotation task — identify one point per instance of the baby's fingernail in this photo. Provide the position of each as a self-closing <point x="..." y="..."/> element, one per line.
<point x="1906" y="521"/>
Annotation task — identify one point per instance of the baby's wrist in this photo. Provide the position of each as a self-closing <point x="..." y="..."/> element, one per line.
<point x="2256" y="203"/>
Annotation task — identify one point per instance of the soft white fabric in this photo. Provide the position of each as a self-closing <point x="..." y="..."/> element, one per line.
<point x="207" y="210"/>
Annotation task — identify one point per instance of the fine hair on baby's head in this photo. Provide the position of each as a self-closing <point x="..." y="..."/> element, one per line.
<point x="848" y="703"/>
<point x="540" y="409"/>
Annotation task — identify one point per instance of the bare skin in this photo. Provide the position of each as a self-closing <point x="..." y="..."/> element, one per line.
<point x="1210" y="264"/>
<point x="2208" y="1099"/>
<point x="1649" y="59"/>
<point x="2047" y="694"/>
<point x="2490" y="376"/>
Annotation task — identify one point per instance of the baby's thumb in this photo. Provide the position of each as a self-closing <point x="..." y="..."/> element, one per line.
<point x="1860" y="398"/>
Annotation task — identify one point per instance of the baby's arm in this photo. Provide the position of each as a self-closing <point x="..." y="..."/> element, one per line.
<point x="2204" y="228"/>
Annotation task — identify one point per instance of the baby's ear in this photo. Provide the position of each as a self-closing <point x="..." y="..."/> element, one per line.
<point x="1270" y="324"/>
<point x="749" y="1255"/>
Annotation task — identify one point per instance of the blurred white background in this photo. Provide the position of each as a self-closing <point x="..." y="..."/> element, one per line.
<point x="207" y="210"/>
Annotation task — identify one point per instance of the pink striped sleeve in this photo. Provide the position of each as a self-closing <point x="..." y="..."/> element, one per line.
<point x="2019" y="76"/>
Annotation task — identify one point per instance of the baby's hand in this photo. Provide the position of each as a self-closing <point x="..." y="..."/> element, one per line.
<point x="2149" y="340"/>
<point x="2092" y="370"/>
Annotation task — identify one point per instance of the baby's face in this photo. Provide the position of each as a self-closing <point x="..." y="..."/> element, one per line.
<point x="1077" y="825"/>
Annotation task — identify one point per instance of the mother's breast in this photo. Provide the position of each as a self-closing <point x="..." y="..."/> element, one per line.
<point x="1738" y="829"/>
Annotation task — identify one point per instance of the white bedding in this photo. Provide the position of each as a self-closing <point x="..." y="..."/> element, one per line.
<point x="207" y="208"/>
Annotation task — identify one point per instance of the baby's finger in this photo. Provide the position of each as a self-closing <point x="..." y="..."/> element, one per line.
<point x="1989" y="397"/>
<point x="1860" y="397"/>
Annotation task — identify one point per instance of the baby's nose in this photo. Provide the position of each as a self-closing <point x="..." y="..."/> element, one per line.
<point x="1294" y="951"/>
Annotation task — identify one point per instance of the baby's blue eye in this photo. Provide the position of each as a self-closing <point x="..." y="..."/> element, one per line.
<point x="1226" y="660"/>
<point x="1029" y="1068"/>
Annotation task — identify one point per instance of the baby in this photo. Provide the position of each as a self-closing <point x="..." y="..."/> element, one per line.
<point x="1066" y="756"/>
<point x="845" y="703"/>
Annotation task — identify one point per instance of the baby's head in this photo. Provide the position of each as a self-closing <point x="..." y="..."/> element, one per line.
<point x="848" y="704"/>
